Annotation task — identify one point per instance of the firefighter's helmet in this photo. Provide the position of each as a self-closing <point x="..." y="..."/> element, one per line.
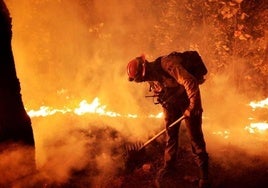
<point x="136" y="69"/>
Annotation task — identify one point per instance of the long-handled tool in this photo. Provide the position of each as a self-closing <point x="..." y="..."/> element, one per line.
<point x="161" y="132"/>
<point x="135" y="153"/>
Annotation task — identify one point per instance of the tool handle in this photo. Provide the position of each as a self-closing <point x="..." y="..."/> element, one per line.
<point x="161" y="132"/>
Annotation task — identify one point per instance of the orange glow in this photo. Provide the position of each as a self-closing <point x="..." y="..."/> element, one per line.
<point x="225" y="134"/>
<point x="159" y="115"/>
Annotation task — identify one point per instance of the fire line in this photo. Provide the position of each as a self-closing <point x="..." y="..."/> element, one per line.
<point x="95" y="107"/>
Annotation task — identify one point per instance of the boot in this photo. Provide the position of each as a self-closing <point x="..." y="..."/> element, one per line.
<point x="166" y="172"/>
<point x="204" y="180"/>
<point x="204" y="183"/>
<point x="164" y="176"/>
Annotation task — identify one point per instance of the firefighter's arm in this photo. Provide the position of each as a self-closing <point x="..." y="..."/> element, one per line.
<point x="172" y="65"/>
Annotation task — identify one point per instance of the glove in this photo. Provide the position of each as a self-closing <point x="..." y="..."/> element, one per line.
<point x="187" y="113"/>
<point x="192" y="112"/>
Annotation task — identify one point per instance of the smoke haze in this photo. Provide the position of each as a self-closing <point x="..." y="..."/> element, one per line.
<point x="68" y="51"/>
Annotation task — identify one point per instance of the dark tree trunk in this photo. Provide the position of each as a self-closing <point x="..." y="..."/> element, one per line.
<point x="16" y="133"/>
<point x="15" y="124"/>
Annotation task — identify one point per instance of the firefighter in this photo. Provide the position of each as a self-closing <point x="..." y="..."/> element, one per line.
<point x="178" y="93"/>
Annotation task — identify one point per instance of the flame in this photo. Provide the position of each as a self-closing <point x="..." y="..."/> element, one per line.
<point x="95" y="107"/>
<point x="259" y="104"/>
<point x="252" y="128"/>
<point x="46" y="111"/>
<point x="259" y="127"/>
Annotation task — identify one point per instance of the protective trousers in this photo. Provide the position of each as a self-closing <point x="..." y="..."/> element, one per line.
<point x="195" y="134"/>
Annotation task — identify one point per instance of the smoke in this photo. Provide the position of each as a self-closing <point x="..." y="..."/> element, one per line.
<point x="17" y="162"/>
<point x="232" y="149"/>
<point x="226" y="114"/>
<point x="75" y="46"/>
<point x="68" y="51"/>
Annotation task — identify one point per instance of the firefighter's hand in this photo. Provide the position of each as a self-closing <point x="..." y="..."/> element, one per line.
<point x="192" y="112"/>
<point x="187" y="113"/>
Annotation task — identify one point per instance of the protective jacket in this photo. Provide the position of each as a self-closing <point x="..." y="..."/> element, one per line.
<point x="174" y="80"/>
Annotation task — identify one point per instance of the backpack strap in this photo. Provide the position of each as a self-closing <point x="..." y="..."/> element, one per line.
<point x="160" y="70"/>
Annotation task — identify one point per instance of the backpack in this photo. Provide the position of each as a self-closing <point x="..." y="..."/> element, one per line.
<point x="193" y="63"/>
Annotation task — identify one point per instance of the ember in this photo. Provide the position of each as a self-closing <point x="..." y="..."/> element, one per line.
<point x="225" y="134"/>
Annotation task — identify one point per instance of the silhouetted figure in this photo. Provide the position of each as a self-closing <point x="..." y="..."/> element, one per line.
<point x="177" y="90"/>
